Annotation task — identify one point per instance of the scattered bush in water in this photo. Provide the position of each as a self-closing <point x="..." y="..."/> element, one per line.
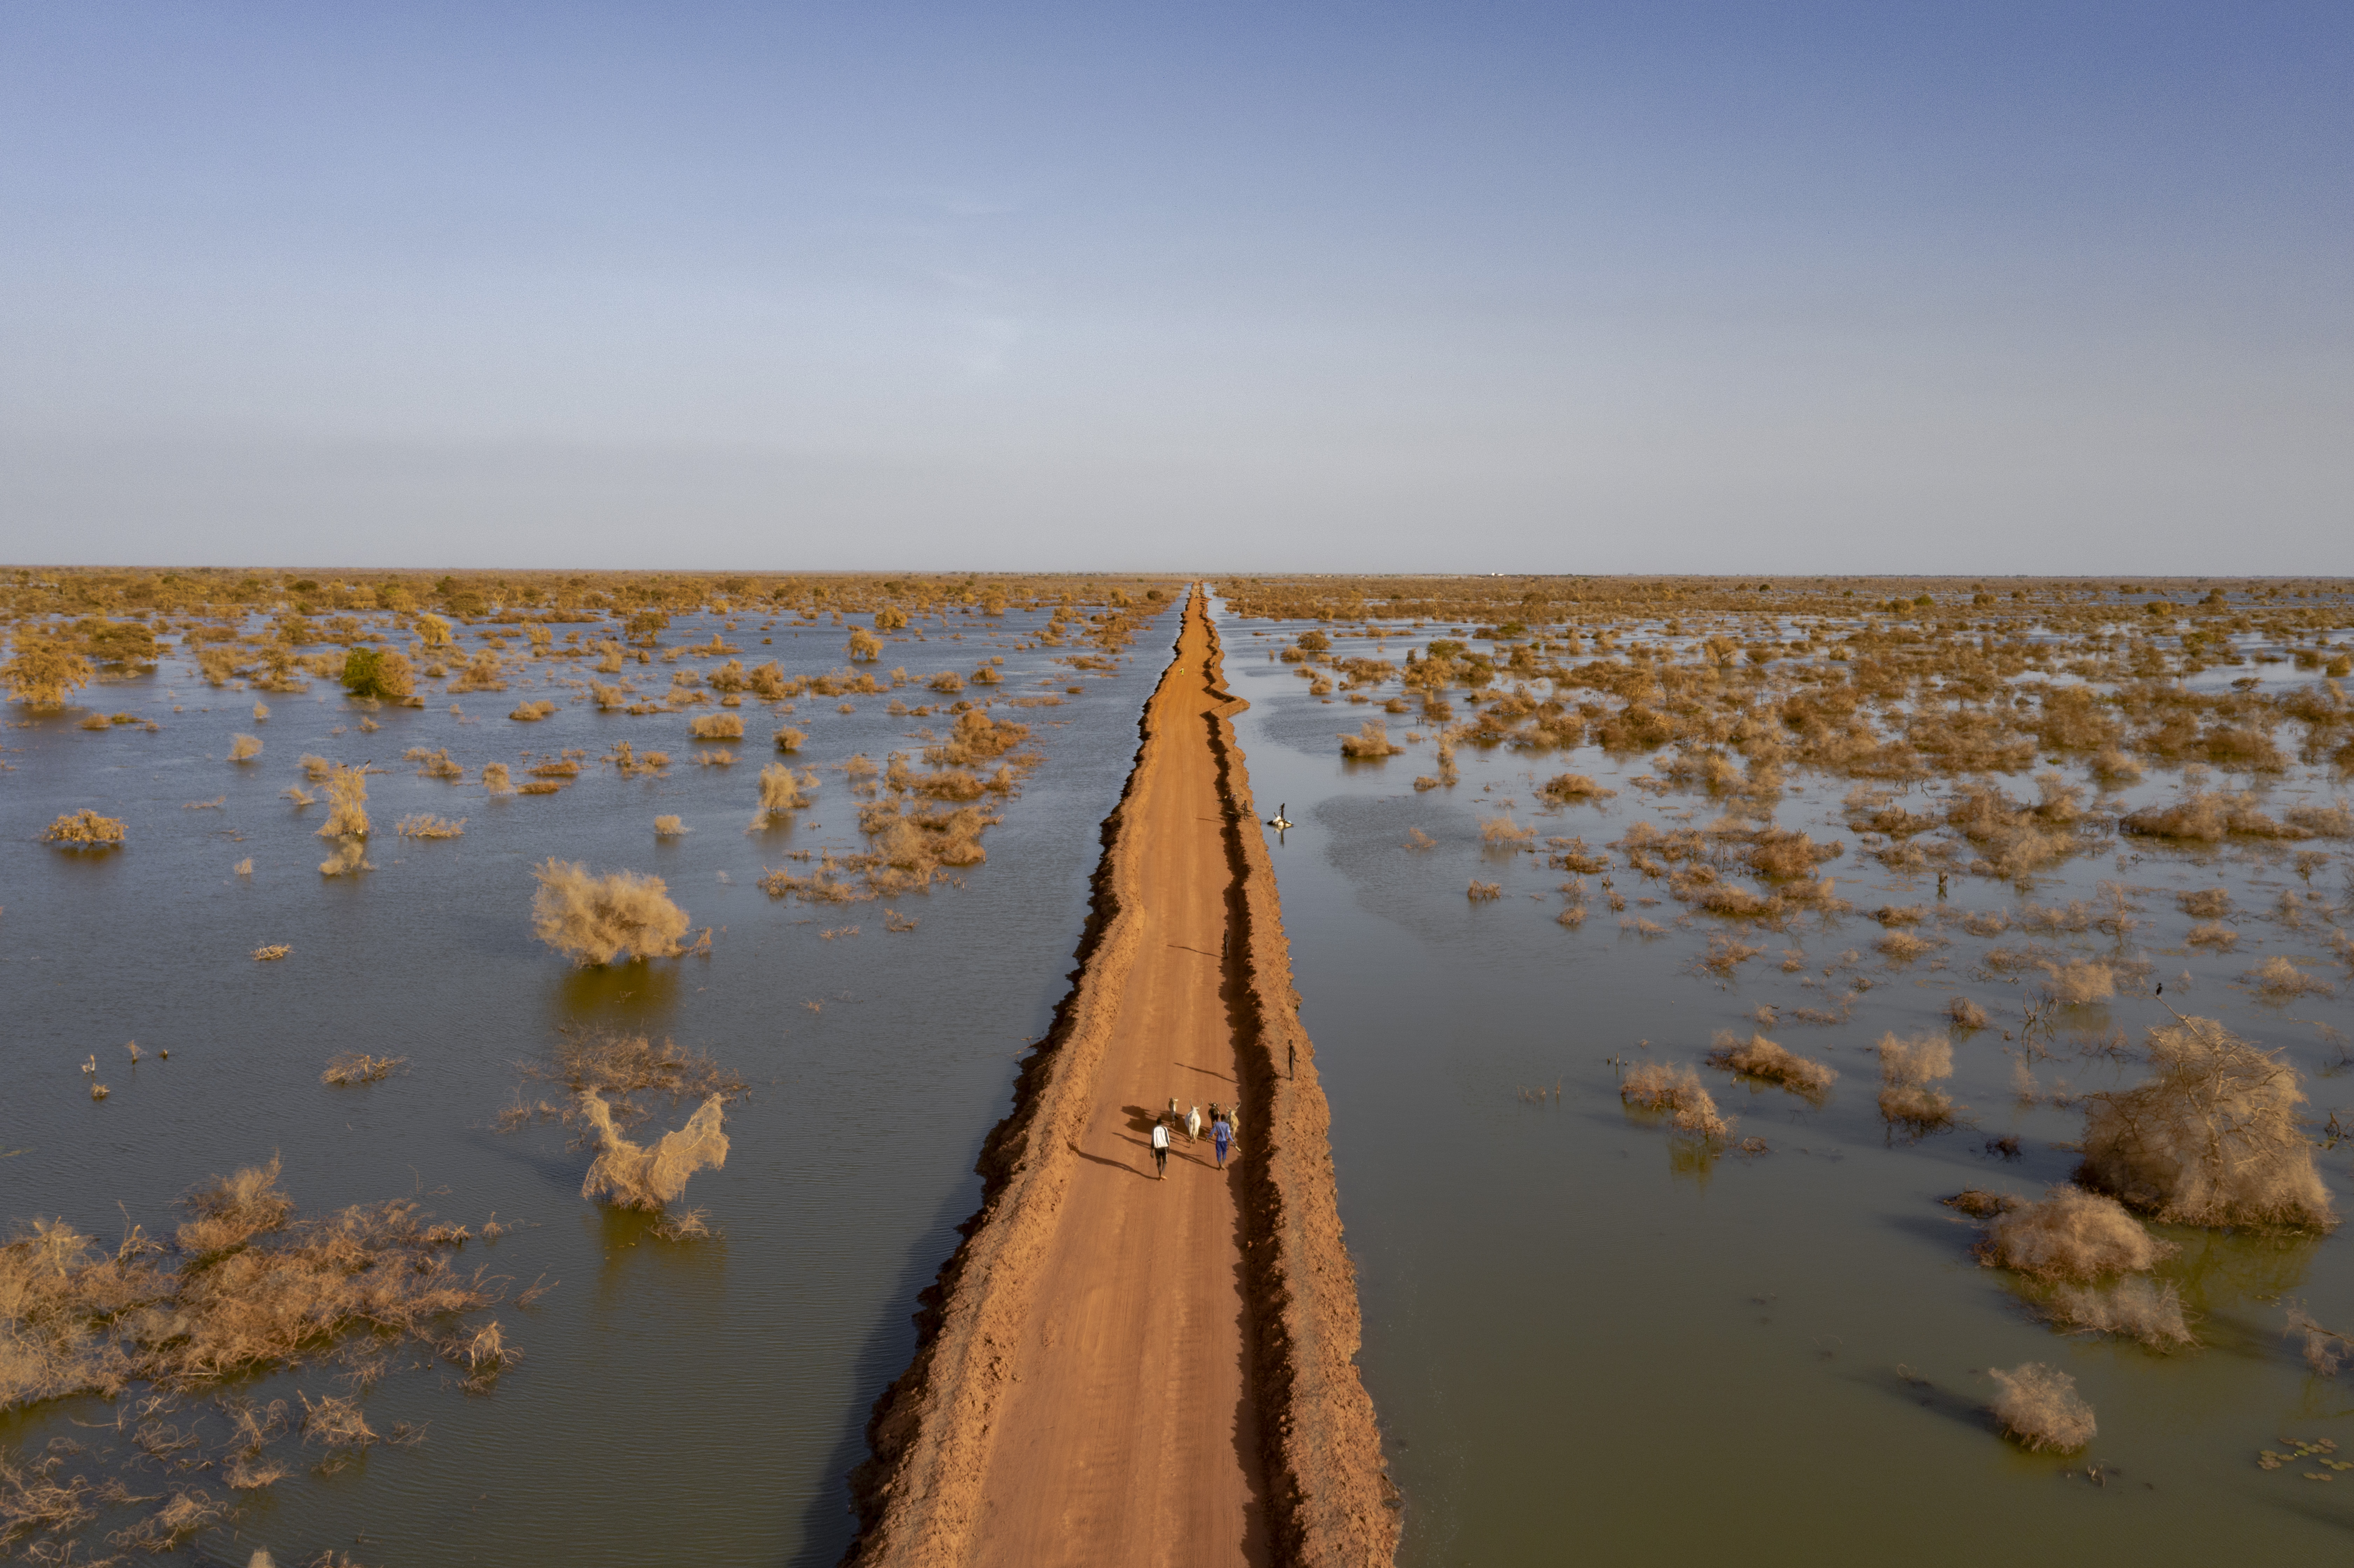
<point x="2143" y="1310"/>
<point x="274" y="950"/>
<point x="669" y="828"/>
<point x="1906" y="1069"/>
<point x="244" y="747"/>
<point x="380" y="672"/>
<point x="45" y="670"/>
<point x="1679" y="1093"/>
<point x="532" y="712"/>
<point x="1485" y="891"/>
<point x="1966" y="1013"/>
<point x="2082" y="980"/>
<point x="497" y="780"/>
<point x="631" y="1176"/>
<point x="717" y="726"/>
<point x="1564" y="788"/>
<point x="2039" y="1406"/>
<point x="2069" y="1234"/>
<point x="348" y="815"/>
<point x="790" y="740"/>
<point x="780" y="792"/>
<point x="254" y="1289"/>
<point x="1370" y="743"/>
<point x="426" y="825"/>
<point x="2282" y="980"/>
<point x="2210" y="1139"/>
<point x="359" y="1067"/>
<point x="595" y="919"/>
<point x="1758" y="1057"/>
<point x="85" y="829"/>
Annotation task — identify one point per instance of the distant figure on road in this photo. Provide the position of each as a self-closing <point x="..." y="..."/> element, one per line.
<point x="1161" y="1147"/>
<point x="1221" y="1135"/>
<point x="1193" y="1125"/>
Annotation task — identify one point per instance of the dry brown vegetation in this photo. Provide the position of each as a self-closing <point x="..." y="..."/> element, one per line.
<point x="1758" y="1057"/>
<point x="2147" y="1311"/>
<point x="2039" y="1405"/>
<point x="1677" y="1093"/>
<point x="359" y="1067"/>
<point x="274" y="950"/>
<point x="1908" y="1068"/>
<point x="243" y="1287"/>
<point x="595" y="919"/>
<point x="2209" y="1139"/>
<point x="1370" y="743"/>
<point x="244" y="747"/>
<point x="611" y="1083"/>
<point x="348" y="815"/>
<point x="426" y="825"/>
<point x="85" y="829"/>
<point x="2069" y="1234"/>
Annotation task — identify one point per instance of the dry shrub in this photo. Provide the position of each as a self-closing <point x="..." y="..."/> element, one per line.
<point x="532" y="712"/>
<point x="1727" y="954"/>
<point x="347" y="859"/>
<point x="1484" y="892"/>
<point x="1907" y="1067"/>
<point x="348" y="815"/>
<point x="2211" y="1138"/>
<point x="1966" y="1013"/>
<point x="2335" y="821"/>
<point x="2213" y="934"/>
<point x="1781" y="856"/>
<point x="2039" y="1405"/>
<point x="790" y="740"/>
<point x="717" y="726"/>
<point x="780" y="792"/>
<point x="44" y="671"/>
<point x="2143" y="1310"/>
<point x="1758" y="1057"/>
<point x="497" y="780"/>
<point x="1677" y="1091"/>
<point x="274" y="950"/>
<point x="2282" y="980"/>
<point x="1895" y="915"/>
<point x="426" y="825"/>
<point x="1564" y="787"/>
<point x="2071" y="1234"/>
<point x="594" y="920"/>
<point x="244" y="747"/>
<point x="631" y="1176"/>
<point x="2205" y="903"/>
<point x="255" y="1289"/>
<point x="359" y="1067"/>
<point x="1903" y="947"/>
<point x="625" y="1070"/>
<point x="2324" y="1350"/>
<point x="2206" y="818"/>
<point x="669" y="828"/>
<point x="1415" y="838"/>
<point x="1370" y="743"/>
<point x="85" y="829"/>
<point x="2082" y="980"/>
<point x="1503" y="833"/>
<point x="163" y="1530"/>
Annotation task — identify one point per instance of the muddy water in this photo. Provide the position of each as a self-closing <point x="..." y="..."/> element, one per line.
<point x="1589" y="1343"/>
<point x="695" y="1402"/>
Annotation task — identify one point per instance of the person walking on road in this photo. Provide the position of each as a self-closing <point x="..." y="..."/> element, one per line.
<point x="1161" y="1147"/>
<point x="1221" y="1135"/>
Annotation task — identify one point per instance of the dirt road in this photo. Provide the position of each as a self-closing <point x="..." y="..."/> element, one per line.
<point x="1112" y="1364"/>
<point x="1128" y="1434"/>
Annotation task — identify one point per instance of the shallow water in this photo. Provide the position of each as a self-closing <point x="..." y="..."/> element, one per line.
<point x="688" y="1402"/>
<point x="1587" y="1340"/>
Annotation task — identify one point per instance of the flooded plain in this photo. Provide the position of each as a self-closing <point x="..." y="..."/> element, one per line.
<point x="1590" y="1336"/>
<point x="691" y="1401"/>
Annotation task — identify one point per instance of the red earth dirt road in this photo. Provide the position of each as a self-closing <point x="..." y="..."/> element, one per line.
<point x="1128" y="1434"/>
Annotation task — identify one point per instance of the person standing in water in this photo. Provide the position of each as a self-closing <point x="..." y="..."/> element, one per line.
<point x="1221" y="1135"/>
<point x="1161" y="1147"/>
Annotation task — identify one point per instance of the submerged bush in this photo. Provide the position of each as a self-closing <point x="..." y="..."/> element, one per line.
<point x="595" y="919"/>
<point x="380" y="672"/>
<point x="85" y="829"/>
<point x="1678" y="1091"/>
<point x="2210" y="1139"/>
<point x="45" y="670"/>
<point x="2071" y="1234"/>
<point x="2039" y="1406"/>
<point x="1906" y="1069"/>
<point x="1758" y="1057"/>
<point x="631" y="1176"/>
<point x="2137" y="1308"/>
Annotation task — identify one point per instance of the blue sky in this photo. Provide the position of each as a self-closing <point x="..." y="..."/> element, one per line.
<point x="1968" y="288"/>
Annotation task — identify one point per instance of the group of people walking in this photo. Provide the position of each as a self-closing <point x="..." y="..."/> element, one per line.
<point x="1222" y="1132"/>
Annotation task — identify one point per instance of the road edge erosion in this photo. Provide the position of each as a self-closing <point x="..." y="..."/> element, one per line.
<point x="917" y="1496"/>
<point x="1335" y="1504"/>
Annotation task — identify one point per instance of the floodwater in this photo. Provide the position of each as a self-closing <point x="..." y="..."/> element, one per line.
<point x="692" y="1402"/>
<point x="1589" y="1341"/>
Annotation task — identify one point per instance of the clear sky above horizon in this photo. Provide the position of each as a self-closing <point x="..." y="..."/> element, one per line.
<point x="1968" y="288"/>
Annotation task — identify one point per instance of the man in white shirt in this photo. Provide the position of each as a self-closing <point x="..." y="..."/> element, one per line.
<point x="1161" y="1147"/>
